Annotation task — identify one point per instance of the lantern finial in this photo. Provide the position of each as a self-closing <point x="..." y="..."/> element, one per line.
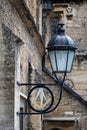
<point x="60" y="28"/>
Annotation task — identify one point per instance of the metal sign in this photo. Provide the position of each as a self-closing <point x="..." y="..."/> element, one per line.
<point x="40" y="98"/>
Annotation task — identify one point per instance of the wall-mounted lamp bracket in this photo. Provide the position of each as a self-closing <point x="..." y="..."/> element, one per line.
<point x="29" y="84"/>
<point x="41" y="102"/>
<point x="61" y="51"/>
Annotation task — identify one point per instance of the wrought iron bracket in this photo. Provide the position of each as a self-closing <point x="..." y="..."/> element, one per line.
<point x="29" y="113"/>
<point x="29" y="84"/>
<point x="37" y="85"/>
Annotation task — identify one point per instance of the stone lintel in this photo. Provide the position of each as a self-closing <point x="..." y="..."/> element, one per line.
<point x="71" y="119"/>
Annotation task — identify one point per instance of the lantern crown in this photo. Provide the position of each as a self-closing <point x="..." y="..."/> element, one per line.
<point x="61" y="40"/>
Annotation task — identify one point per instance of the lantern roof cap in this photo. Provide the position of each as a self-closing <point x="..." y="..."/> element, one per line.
<point x="61" y="40"/>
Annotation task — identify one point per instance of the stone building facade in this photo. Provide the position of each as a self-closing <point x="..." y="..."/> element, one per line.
<point x="71" y="112"/>
<point x="21" y="49"/>
<point x="25" y="29"/>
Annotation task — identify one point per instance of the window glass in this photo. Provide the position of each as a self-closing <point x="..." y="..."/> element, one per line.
<point x="53" y="25"/>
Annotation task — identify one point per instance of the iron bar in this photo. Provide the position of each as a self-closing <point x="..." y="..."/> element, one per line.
<point x="60" y="96"/>
<point x="21" y="84"/>
<point x="28" y="113"/>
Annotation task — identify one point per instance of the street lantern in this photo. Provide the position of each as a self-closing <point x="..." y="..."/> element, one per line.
<point x="61" y="50"/>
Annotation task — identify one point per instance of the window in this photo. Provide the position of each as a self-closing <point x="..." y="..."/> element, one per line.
<point x="53" y="25"/>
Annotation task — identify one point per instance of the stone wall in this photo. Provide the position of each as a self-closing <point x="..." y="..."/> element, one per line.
<point x="76" y="27"/>
<point x="35" y="8"/>
<point x="18" y="50"/>
<point x="7" y="74"/>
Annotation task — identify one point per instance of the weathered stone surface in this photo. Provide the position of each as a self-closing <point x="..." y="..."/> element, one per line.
<point x="21" y="51"/>
<point x="17" y="50"/>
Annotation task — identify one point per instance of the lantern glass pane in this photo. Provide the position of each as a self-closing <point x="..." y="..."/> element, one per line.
<point x="61" y="57"/>
<point x="52" y="60"/>
<point x="61" y="61"/>
<point x="70" y="60"/>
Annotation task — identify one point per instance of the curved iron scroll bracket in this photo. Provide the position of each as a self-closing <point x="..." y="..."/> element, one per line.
<point x="49" y="108"/>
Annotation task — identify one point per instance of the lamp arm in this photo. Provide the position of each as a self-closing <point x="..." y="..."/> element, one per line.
<point x="60" y="96"/>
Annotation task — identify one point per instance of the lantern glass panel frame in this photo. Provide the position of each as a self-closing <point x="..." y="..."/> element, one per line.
<point x="61" y="59"/>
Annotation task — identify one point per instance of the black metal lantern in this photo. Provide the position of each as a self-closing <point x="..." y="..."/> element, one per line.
<point x="61" y="51"/>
